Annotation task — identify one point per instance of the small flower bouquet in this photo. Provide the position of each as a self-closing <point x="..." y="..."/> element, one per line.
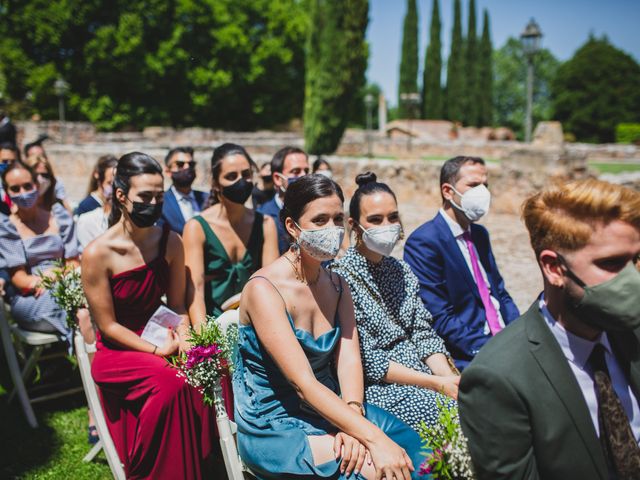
<point x="208" y="360"/>
<point x="65" y="285"/>
<point x="448" y="455"/>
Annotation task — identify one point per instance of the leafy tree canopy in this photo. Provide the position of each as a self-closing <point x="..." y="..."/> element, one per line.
<point x="510" y="86"/>
<point x="596" y="90"/>
<point x="236" y="64"/>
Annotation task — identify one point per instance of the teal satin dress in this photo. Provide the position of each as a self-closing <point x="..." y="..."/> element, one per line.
<point x="273" y="424"/>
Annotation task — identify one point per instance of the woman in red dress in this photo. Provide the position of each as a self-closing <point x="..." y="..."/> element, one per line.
<point x="159" y="424"/>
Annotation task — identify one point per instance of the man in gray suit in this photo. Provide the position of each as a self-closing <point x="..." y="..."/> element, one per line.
<point x="555" y="394"/>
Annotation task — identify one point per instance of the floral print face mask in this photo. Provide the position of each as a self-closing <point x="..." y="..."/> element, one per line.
<point x="323" y="243"/>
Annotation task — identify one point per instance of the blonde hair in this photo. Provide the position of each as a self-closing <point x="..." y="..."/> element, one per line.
<point x="564" y="216"/>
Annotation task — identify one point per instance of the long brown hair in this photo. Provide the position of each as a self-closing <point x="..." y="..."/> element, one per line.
<point x="49" y="198"/>
<point x="104" y="163"/>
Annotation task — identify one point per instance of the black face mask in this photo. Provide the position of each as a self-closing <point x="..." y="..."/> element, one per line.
<point x="145" y="215"/>
<point x="183" y="178"/>
<point x="238" y="192"/>
<point x="267" y="180"/>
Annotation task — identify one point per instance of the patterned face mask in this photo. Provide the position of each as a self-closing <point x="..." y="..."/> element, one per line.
<point x="323" y="243"/>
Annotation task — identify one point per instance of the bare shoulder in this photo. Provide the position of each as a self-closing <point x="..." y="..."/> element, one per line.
<point x="192" y="229"/>
<point x="99" y="252"/>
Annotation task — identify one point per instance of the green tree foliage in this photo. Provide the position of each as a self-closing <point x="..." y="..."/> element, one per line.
<point x="336" y="61"/>
<point x="236" y="64"/>
<point x="628" y="133"/>
<point x="471" y="71"/>
<point x="595" y="90"/>
<point x="432" y="98"/>
<point x="510" y="90"/>
<point x="455" y="70"/>
<point x="485" y="75"/>
<point x="409" y="60"/>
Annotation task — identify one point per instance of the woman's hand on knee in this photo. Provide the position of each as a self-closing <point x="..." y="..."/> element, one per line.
<point x="390" y="460"/>
<point x="352" y="452"/>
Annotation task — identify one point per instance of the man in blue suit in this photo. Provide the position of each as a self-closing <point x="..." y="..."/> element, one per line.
<point x="287" y="165"/>
<point x="181" y="202"/>
<point x="459" y="279"/>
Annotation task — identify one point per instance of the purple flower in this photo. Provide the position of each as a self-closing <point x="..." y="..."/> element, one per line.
<point x="425" y="468"/>
<point x="200" y="354"/>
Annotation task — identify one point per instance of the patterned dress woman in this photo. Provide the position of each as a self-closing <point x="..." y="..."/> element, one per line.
<point x="33" y="254"/>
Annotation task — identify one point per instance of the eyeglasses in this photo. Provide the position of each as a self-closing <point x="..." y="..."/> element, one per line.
<point x="181" y="164"/>
<point x="44" y="175"/>
<point x="7" y="161"/>
<point x="27" y="187"/>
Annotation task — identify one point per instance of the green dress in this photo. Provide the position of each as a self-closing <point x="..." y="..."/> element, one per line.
<point x="228" y="278"/>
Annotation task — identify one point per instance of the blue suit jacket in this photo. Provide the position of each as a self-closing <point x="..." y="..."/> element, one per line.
<point x="448" y="289"/>
<point x="171" y="213"/>
<point x="272" y="209"/>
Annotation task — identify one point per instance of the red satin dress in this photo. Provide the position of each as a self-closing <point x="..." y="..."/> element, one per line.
<point x="160" y="427"/>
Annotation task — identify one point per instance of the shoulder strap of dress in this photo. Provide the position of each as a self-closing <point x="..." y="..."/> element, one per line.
<point x="257" y="235"/>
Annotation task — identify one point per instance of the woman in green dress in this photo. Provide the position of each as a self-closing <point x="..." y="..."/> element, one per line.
<point x="227" y="242"/>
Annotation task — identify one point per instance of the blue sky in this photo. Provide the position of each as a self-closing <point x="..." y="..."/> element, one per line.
<point x="566" y="25"/>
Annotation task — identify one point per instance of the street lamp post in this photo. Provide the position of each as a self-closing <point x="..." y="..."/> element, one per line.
<point x="369" y="102"/>
<point x="531" y="45"/>
<point x="61" y="88"/>
<point x="411" y="100"/>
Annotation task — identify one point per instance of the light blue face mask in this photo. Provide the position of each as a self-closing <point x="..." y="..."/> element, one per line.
<point x="25" y="200"/>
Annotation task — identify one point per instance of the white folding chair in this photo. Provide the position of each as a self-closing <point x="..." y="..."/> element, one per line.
<point x="38" y="341"/>
<point x="93" y="399"/>
<point x="227" y="429"/>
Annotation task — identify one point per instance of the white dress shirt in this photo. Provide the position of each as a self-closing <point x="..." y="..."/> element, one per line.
<point x="187" y="203"/>
<point x="91" y="225"/>
<point x="577" y="351"/>
<point x="457" y="232"/>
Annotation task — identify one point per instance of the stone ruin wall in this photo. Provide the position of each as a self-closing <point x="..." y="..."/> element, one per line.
<point x="516" y="169"/>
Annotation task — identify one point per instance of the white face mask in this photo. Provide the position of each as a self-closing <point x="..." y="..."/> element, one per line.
<point x="43" y="184"/>
<point x="323" y="243"/>
<point x="383" y="239"/>
<point x="474" y="202"/>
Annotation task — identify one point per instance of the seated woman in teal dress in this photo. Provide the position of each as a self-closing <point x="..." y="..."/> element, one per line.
<point x="227" y="242"/>
<point x="298" y="381"/>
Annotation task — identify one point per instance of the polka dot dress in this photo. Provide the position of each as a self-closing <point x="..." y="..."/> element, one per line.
<point x="393" y="324"/>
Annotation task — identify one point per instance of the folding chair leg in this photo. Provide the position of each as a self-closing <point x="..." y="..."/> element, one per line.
<point x="28" y="368"/>
<point x="14" y="370"/>
<point x="93" y="452"/>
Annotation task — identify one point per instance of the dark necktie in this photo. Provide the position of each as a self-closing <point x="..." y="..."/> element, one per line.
<point x="616" y="437"/>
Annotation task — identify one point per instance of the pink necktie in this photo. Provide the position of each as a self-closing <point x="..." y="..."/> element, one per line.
<point x="492" y="314"/>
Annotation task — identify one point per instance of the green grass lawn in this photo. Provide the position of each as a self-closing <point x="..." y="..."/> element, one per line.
<point x="615" y="167"/>
<point x="55" y="449"/>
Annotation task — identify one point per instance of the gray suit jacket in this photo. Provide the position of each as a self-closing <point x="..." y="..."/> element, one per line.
<point x="523" y="411"/>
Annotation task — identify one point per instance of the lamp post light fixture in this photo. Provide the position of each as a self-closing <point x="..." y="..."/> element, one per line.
<point x="411" y="100"/>
<point x="61" y="88"/>
<point x="530" y="38"/>
<point x="369" y="102"/>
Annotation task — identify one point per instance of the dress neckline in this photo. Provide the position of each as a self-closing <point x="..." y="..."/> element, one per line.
<point x="160" y="257"/>
<point x="210" y="233"/>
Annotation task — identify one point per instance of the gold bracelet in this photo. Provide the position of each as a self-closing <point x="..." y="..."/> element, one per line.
<point x="359" y="405"/>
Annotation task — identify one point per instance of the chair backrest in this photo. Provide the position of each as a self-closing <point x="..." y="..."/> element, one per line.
<point x="228" y="318"/>
<point x="93" y="399"/>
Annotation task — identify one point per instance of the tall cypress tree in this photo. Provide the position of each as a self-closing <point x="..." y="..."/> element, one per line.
<point x="485" y="76"/>
<point x="336" y="61"/>
<point x="471" y="71"/>
<point x="455" y="70"/>
<point x="409" y="60"/>
<point x="432" y="100"/>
